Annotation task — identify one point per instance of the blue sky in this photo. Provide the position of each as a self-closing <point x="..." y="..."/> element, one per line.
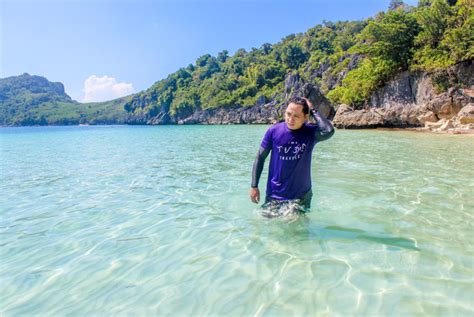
<point x="101" y="49"/>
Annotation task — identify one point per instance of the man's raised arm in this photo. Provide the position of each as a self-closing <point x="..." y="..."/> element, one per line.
<point x="325" y="128"/>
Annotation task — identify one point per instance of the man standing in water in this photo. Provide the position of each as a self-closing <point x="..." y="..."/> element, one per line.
<point x="291" y="143"/>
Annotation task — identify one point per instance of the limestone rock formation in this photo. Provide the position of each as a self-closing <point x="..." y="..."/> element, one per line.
<point x="412" y="100"/>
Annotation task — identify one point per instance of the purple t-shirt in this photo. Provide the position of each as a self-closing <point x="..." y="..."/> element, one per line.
<point x="289" y="173"/>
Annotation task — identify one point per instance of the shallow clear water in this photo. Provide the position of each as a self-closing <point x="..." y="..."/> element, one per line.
<point x="157" y="220"/>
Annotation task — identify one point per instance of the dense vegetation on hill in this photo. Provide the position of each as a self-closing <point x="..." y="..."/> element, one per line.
<point x="20" y="94"/>
<point x="347" y="60"/>
<point x="33" y="100"/>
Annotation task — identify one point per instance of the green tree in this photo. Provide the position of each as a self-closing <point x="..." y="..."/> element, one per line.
<point x="362" y="81"/>
<point x="459" y="39"/>
<point x="266" y="48"/>
<point x="223" y="56"/>
<point x="424" y="3"/>
<point x="434" y="21"/>
<point x="446" y="34"/>
<point x="241" y="52"/>
<point x="395" y="4"/>
<point x="391" y="37"/>
<point x="293" y="56"/>
<point x="203" y="60"/>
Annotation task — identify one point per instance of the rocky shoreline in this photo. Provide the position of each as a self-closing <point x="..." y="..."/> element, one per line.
<point x="438" y="102"/>
<point x="410" y="101"/>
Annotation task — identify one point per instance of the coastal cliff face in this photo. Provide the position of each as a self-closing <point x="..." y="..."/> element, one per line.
<point x="428" y="101"/>
<point x="439" y="102"/>
<point x="262" y="112"/>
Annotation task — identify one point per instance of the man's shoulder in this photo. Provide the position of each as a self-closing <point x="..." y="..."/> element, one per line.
<point x="277" y="129"/>
<point x="310" y="127"/>
<point x="277" y="126"/>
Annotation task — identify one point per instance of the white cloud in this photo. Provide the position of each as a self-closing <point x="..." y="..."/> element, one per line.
<point x="104" y="88"/>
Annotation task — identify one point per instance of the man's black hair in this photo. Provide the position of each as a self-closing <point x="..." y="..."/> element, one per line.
<point x="302" y="102"/>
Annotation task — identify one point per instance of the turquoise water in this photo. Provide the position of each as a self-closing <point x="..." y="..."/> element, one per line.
<point x="143" y="221"/>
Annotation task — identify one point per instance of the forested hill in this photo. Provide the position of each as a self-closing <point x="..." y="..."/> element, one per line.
<point x="347" y="60"/>
<point x="20" y="94"/>
<point x="33" y="100"/>
<point x="342" y="63"/>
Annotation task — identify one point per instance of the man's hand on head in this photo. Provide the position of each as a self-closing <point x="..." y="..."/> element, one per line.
<point x="310" y="105"/>
<point x="254" y="195"/>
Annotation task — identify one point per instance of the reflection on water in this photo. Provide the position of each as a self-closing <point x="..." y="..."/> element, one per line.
<point x="304" y="228"/>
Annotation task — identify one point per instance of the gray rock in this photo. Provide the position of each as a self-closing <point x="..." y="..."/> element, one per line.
<point x="292" y="82"/>
<point x="427" y="117"/>
<point x="435" y="125"/>
<point x="161" y="118"/>
<point x="261" y="101"/>
<point x="466" y="115"/>
<point x="399" y="91"/>
<point x="448" y="124"/>
<point x="347" y="119"/>
<point x="410" y="100"/>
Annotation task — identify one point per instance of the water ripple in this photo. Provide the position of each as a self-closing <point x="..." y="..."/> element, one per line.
<point x="122" y="221"/>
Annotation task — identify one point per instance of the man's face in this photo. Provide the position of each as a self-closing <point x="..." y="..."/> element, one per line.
<point x="294" y="116"/>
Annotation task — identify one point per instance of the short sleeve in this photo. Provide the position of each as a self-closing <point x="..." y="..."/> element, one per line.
<point x="267" y="142"/>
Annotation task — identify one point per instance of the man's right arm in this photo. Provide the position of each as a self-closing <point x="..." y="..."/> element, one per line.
<point x="256" y="172"/>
